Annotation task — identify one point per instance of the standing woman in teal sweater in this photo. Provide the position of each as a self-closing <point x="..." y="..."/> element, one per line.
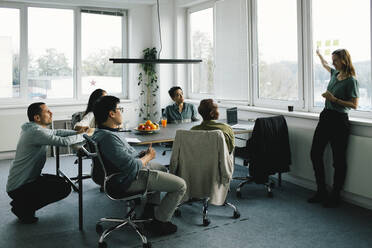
<point x="342" y="95"/>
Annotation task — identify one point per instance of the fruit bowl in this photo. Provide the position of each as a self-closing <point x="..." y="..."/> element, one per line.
<point x="146" y="131"/>
<point x="147" y="127"/>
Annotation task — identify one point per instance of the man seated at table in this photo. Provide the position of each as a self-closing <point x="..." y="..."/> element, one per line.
<point x="29" y="189"/>
<point x="119" y="156"/>
<point x="209" y="111"/>
<point x="179" y="111"/>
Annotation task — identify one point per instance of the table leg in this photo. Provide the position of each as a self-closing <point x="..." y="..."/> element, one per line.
<point x="80" y="182"/>
<point x="57" y="160"/>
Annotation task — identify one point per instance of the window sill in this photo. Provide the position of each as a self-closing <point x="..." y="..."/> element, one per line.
<point x="58" y="103"/>
<point x="297" y="114"/>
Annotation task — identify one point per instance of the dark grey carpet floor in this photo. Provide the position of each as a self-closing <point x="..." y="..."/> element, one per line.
<point x="285" y="220"/>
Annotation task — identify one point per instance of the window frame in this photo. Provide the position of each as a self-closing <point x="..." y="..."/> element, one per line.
<point x="124" y="50"/>
<point x="23" y="53"/>
<point x="196" y="8"/>
<point x="257" y="101"/>
<point x="306" y="53"/>
<point x="309" y="59"/>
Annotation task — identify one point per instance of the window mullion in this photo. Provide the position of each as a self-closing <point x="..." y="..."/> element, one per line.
<point x="23" y="53"/>
<point x="77" y="55"/>
<point x="125" y="75"/>
<point x="254" y="52"/>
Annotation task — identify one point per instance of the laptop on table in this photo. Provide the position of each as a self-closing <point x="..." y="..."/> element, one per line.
<point x="232" y="119"/>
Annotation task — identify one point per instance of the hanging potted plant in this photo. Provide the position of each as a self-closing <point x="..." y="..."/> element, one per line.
<point x="148" y="81"/>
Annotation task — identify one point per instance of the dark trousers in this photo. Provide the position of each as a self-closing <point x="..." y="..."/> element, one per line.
<point x="333" y="128"/>
<point x="45" y="190"/>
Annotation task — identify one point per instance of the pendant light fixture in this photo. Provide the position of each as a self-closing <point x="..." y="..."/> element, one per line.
<point x="158" y="60"/>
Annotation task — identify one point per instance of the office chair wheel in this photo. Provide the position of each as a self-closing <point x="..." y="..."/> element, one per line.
<point x="102" y="245"/>
<point x="270" y="194"/>
<point x="99" y="229"/>
<point x="236" y="215"/>
<point x="177" y="213"/>
<point x="239" y="194"/>
<point x="206" y="222"/>
<point x="148" y="245"/>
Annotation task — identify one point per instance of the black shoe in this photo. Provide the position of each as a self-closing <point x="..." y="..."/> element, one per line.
<point x="333" y="201"/>
<point x="319" y="197"/>
<point x="25" y="218"/>
<point x="148" y="211"/>
<point x="160" y="227"/>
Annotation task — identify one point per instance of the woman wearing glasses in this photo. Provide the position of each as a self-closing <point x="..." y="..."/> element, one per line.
<point x="342" y="95"/>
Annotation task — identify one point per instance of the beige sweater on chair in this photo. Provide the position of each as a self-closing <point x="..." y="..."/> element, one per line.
<point x="202" y="159"/>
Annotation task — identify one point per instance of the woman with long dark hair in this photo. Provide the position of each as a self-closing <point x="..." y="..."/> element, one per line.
<point x="88" y="116"/>
<point x="342" y="95"/>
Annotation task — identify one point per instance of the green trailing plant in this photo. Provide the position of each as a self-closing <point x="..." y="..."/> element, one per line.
<point x="148" y="79"/>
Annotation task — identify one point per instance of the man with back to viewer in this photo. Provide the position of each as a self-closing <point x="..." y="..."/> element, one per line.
<point x="208" y="109"/>
<point x="29" y="189"/>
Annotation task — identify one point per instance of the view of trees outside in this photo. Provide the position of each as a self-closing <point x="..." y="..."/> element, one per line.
<point x="50" y="49"/>
<point x="9" y="53"/>
<point x="352" y="34"/>
<point x="52" y="63"/>
<point x="100" y="43"/>
<point x="278" y="80"/>
<point x="278" y="50"/>
<point x="201" y="30"/>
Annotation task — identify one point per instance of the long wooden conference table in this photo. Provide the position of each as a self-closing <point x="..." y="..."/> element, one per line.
<point x="166" y="134"/>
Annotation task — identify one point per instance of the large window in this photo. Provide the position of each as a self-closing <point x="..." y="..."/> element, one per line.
<point x="97" y="70"/>
<point x="60" y="53"/>
<point x="50" y="53"/>
<point x="9" y="53"/>
<point x="278" y="67"/>
<point x="218" y="37"/>
<point x="343" y="24"/>
<point x="277" y="50"/>
<point x="201" y="38"/>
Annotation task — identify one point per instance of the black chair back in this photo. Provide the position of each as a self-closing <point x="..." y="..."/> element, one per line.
<point x="269" y="148"/>
<point x="98" y="172"/>
<point x="101" y="175"/>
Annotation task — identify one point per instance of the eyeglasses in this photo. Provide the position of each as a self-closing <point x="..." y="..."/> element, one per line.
<point x="121" y="109"/>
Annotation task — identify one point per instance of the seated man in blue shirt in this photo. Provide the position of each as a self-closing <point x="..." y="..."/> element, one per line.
<point x="179" y="111"/>
<point x="119" y="157"/>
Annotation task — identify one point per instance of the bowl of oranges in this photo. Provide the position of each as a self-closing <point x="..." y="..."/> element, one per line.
<point x="147" y="127"/>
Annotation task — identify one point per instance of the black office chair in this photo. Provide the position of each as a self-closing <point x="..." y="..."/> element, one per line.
<point x="114" y="194"/>
<point x="202" y="159"/>
<point x="266" y="153"/>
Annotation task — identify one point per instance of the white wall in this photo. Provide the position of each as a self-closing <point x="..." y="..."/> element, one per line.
<point x="357" y="187"/>
<point x="166" y="71"/>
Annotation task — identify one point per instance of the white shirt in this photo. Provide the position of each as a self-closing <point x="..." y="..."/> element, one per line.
<point x="87" y="121"/>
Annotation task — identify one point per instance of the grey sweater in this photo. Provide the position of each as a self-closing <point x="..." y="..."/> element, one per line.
<point x="31" y="152"/>
<point x="118" y="156"/>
